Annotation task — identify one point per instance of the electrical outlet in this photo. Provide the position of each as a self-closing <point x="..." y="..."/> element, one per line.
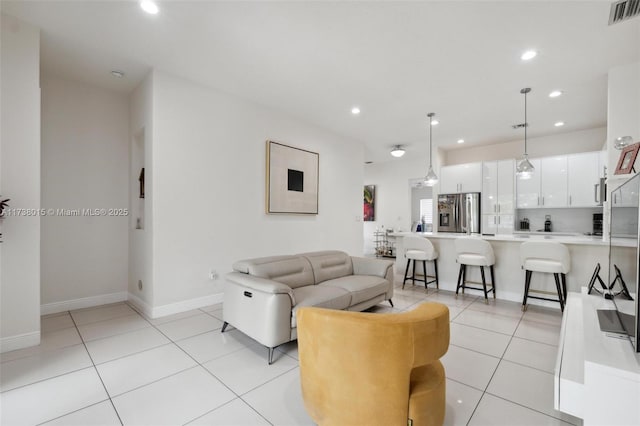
<point x="213" y="274"/>
<point x="140" y="285"/>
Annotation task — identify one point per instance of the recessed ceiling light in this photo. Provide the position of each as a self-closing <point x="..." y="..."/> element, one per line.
<point x="397" y="151"/>
<point x="555" y="93"/>
<point x="118" y="74"/>
<point x="559" y="124"/>
<point x="355" y="110"/>
<point x="460" y="140"/>
<point x="149" y="7"/>
<point x="435" y="122"/>
<point x="528" y="55"/>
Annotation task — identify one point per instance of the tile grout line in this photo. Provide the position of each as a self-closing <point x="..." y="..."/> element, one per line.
<point x="96" y="370"/>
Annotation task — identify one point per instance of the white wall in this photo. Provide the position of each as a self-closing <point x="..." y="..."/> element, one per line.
<point x="20" y="181"/>
<point x="209" y="188"/>
<point x="623" y="107"/>
<point x="559" y="144"/>
<point x="85" y="134"/>
<point x="141" y="240"/>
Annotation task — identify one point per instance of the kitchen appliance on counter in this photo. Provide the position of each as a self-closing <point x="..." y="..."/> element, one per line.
<point x="547" y="223"/>
<point x="524" y="224"/>
<point x="459" y="212"/>
<point x="597" y="224"/>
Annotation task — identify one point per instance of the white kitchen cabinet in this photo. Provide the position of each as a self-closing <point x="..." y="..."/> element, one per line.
<point x="498" y="196"/>
<point x="583" y="179"/>
<point x="495" y="224"/>
<point x="553" y="181"/>
<point x="461" y="178"/>
<point x="528" y="190"/>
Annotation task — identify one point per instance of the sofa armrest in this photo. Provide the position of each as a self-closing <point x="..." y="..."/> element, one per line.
<point x="261" y="284"/>
<point x="369" y="266"/>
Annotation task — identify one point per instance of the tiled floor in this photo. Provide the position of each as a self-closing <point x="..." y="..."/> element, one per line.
<point x="109" y="365"/>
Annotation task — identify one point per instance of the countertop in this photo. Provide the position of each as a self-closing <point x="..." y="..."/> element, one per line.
<point x="519" y="237"/>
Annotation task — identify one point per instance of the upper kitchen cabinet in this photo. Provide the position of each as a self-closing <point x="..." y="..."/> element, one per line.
<point x="461" y="178"/>
<point x="498" y="186"/>
<point x="584" y="178"/>
<point x="528" y="190"/>
<point x="553" y="181"/>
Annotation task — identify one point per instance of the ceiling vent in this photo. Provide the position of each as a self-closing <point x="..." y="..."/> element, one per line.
<point x="520" y="126"/>
<point x="623" y="10"/>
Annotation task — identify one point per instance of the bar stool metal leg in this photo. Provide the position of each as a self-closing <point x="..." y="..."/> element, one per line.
<point x="459" y="280"/>
<point x="413" y="278"/>
<point x="559" y="289"/>
<point x="424" y="269"/>
<point x="564" y="287"/>
<point x="484" y="285"/>
<point x="527" y="283"/>
<point x="406" y="271"/>
<point x="464" y="277"/>
<point x="493" y="281"/>
<point x="435" y="267"/>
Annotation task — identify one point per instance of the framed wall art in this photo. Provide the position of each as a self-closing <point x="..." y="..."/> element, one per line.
<point x="627" y="159"/>
<point x="292" y="179"/>
<point x="369" y="214"/>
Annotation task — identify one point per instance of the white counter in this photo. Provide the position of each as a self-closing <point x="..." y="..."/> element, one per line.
<point x="586" y="252"/>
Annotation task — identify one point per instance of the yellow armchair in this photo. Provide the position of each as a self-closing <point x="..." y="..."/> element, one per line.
<point x="373" y="369"/>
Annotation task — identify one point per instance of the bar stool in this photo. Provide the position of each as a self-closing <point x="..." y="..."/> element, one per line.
<point x="420" y="249"/>
<point x="549" y="257"/>
<point x="475" y="252"/>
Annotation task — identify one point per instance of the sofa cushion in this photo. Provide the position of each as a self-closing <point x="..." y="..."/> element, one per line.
<point x="294" y="271"/>
<point x="321" y="297"/>
<point x="330" y="264"/>
<point x="361" y="287"/>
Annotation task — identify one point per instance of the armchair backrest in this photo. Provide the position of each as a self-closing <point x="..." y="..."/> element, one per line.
<point x="355" y="367"/>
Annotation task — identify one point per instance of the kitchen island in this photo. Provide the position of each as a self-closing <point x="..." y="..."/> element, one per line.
<point x="586" y="252"/>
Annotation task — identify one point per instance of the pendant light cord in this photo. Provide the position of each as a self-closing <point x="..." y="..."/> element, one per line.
<point x="430" y="149"/>
<point x="526" y="123"/>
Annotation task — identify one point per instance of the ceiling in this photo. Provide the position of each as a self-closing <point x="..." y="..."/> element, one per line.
<point x="395" y="60"/>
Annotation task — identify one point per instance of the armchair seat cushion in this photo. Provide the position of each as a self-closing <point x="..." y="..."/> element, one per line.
<point x="321" y="297"/>
<point x="361" y="287"/>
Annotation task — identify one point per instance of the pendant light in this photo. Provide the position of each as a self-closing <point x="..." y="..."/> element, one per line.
<point x="431" y="178"/>
<point x="397" y="151"/>
<point x="524" y="169"/>
<point x="622" y="142"/>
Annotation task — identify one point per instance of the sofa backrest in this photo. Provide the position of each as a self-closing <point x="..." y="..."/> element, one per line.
<point x="294" y="271"/>
<point x="330" y="264"/>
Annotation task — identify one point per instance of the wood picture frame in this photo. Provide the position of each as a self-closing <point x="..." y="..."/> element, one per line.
<point x="627" y="159"/>
<point x="292" y="180"/>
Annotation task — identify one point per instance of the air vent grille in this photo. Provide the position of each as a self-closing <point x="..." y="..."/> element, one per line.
<point x="520" y="126"/>
<point x="623" y="10"/>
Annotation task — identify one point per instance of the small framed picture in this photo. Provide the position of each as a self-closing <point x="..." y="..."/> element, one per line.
<point x="627" y="159"/>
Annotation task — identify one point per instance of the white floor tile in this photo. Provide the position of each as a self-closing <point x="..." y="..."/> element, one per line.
<point x="207" y="346"/>
<point x="496" y="306"/>
<point x="532" y="354"/>
<point x="404" y="302"/>
<point x="110" y="348"/>
<point x="469" y="367"/>
<point x="101" y="313"/>
<point x="454" y="312"/>
<point x="177" y="399"/>
<point x="187" y="327"/>
<point x="539" y="332"/>
<point x="57" y="322"/>
<point x="50" y="340"/>
<point x="290" y="348"/>
<point x="525" y="386"/>
<point x="248" y="368"/>
<point x="235" y="413"/>
<point x="280" y="401"/>
<point x="43" y="366"/>
<point x="478" y="340"/>
<point x="180" y="315"/>
<point x="543" y="314"/>
<point x="46" y="400"/>
<point x="449" y="298"/>
<point x="497" y="411"/>
<point x="488" y="321"/>
<point x="130" y="372"/>
<point x="112" y="327"/>
<point x="101" y="414"/>
<point x="461" y="401"/>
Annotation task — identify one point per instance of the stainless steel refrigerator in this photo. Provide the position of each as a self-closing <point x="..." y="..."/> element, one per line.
<point x="459" y="213"/>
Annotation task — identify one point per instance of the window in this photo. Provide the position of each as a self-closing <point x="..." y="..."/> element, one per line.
<point x="426" y="210"/>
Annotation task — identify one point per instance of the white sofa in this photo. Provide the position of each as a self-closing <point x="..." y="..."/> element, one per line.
<point x="262" y="295"/>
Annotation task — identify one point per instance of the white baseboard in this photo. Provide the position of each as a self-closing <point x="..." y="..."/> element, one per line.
<point x="20" y="341"/>
<point x="85" y="302"/>
<point x="174" y="308"/>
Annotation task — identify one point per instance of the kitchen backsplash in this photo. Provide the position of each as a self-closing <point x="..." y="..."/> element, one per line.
<point x="562" y="220"/>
